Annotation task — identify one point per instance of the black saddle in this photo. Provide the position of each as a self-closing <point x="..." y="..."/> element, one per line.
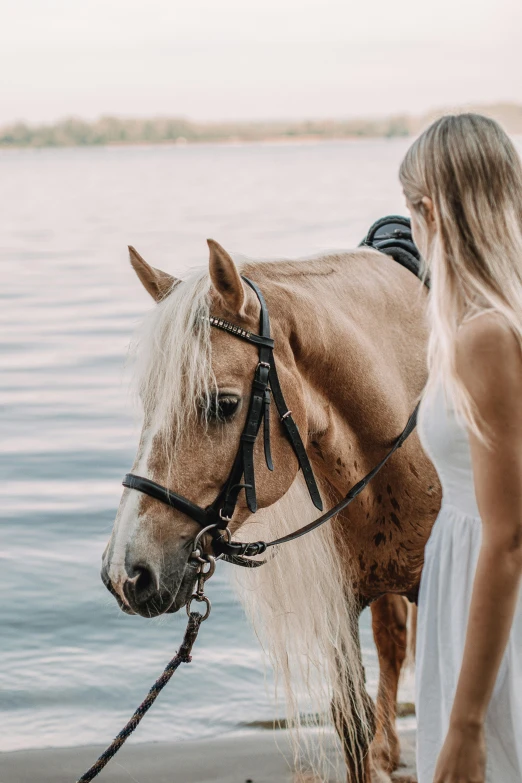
<point x="392" y="235"/>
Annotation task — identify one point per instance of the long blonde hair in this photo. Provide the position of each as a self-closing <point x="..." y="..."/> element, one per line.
<point x="471" y="170"/>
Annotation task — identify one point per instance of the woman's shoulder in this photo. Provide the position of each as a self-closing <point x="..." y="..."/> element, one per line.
<point x="488" y="331"/>
<point x="489" y="355"/>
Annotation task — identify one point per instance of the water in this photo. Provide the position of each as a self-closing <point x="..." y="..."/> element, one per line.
<point x="72" y="666"/>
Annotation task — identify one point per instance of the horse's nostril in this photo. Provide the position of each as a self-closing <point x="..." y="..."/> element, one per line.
<point x="141" y="585"/>
<point x="143" y="582"/>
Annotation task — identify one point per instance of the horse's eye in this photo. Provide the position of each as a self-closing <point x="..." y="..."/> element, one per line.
<point x="223" y="408"/>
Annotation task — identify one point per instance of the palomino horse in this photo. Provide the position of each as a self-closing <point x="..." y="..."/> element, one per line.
<point x="350" y="331"/>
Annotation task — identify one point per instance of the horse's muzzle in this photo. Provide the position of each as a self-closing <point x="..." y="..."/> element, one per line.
<point x="150" y="591"/>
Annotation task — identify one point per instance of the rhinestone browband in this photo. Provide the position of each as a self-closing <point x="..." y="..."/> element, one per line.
<point x="220" y="323"/>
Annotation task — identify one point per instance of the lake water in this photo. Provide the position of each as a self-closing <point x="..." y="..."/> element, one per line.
<point x="72" y="666"/>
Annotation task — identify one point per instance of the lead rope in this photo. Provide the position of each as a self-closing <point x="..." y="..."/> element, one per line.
<point x="182" y="656"/>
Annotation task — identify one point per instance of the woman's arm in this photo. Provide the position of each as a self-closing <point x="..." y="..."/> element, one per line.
<point x="489" y="361"/>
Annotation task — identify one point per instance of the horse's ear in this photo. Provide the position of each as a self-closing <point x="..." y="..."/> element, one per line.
<point x="156" y="282"/>
<point x="225" y="278"/>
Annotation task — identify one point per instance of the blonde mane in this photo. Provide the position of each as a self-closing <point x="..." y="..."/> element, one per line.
<point x="301" y="603"/>
<point x="171" y="354"/>
<point x="303" y="609"/>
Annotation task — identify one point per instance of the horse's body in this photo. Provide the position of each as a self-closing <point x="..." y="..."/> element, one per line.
<point x="350" y="334"/>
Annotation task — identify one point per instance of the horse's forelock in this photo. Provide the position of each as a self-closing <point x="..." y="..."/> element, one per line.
<point x="171" y="355"/>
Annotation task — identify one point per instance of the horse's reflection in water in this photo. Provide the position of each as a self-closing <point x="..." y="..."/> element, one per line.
<point x="350" y="333"/>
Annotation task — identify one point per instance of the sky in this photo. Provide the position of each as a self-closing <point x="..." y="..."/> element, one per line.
<point x="255" y="59"/>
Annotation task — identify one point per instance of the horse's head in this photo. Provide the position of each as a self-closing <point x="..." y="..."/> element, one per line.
<point x="195" y="384"/>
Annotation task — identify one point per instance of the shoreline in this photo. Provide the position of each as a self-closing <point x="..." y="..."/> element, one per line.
<point x="282" y="141"/>
<point x="253" y="757"/>
<point x="109" y="129"/>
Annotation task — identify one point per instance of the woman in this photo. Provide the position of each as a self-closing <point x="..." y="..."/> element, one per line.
<point x="462" y="179"/>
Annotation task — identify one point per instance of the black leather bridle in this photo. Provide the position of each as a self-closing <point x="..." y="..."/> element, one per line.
<point x="220" y="512"/>
<point x="264" y="385"/>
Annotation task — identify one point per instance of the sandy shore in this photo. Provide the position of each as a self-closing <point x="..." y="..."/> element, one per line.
<point x="254" y="757"/>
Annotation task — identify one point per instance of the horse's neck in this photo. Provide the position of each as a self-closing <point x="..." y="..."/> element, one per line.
<point x="345" y="352"/>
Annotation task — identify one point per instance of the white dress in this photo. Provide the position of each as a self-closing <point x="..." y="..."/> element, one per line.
<point x="443" y="605"/>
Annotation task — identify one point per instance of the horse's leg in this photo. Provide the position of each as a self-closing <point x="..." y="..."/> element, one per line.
<point x="356" y="744"/>
<point x="389" y="623"/>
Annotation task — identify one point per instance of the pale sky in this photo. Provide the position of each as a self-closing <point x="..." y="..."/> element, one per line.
<point x="255" y="59"/>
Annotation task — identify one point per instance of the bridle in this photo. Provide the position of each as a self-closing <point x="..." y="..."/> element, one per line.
<point x="214" y="518"/>
<point x="265" y="385"/>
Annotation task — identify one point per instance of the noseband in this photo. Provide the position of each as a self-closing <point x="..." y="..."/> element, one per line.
<point x="219" y="513"/>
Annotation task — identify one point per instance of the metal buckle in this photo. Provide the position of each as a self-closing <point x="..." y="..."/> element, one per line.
<point x="199" y="595"/>
<point x="202" y="575"/>
<point x="263" y="364"/>
<point x="288" y="413"/>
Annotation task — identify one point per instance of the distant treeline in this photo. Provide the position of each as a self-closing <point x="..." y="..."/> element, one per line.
<point x="74" y="132"/>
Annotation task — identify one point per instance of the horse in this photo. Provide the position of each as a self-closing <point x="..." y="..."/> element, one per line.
<point x="350" y="333"/>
